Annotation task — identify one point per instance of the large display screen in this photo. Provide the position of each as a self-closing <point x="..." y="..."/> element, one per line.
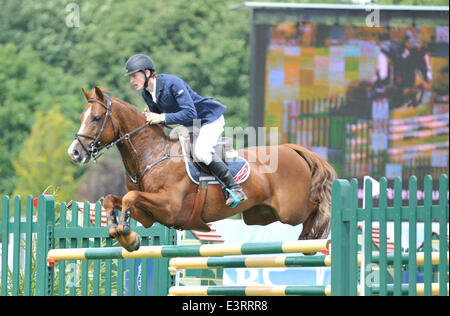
<point x="371" y="100"/>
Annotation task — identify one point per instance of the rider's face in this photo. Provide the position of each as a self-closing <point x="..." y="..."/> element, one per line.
<point x="138" y="80"/>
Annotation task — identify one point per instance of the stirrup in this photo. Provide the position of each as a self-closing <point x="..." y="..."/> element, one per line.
<point x="235" y="198"/>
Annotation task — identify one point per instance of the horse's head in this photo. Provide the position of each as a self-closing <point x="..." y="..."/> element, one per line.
<point x="97" y="128"/>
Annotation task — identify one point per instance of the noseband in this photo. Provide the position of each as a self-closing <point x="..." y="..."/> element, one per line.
<point x="94" y="150"/>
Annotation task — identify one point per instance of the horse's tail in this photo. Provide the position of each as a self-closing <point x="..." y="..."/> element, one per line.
<point x="323" y="174"/>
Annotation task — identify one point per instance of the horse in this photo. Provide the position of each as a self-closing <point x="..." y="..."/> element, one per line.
<point x="297" y="191"/>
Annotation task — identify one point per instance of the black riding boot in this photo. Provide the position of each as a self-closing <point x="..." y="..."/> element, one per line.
<point x="219" y="169"/>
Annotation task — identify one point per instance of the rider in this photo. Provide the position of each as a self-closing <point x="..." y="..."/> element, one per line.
<point x="397" y="65"/>
<point x="172" y="101"/>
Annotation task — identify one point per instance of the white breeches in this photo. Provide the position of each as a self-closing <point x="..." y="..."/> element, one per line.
<point x="207" y="139"/>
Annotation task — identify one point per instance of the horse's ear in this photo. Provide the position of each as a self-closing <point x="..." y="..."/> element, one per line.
<point x="99" y="93"/>
<point x="86" y="94"/>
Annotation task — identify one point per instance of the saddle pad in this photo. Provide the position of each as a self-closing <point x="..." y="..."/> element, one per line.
<point x="239" y="167"/>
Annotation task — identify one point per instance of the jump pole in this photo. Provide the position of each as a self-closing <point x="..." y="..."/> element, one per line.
<point x="277" y="290"/>
<point x="279" y="261"/>
<point x="212" y="250"/>
<point x="250" y="262"/>
<point x="281" y="290"/>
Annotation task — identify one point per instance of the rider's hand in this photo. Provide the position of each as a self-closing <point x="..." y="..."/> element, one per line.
<point x="155" y="118"/>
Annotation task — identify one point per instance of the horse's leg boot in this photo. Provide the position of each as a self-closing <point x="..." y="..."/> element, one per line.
<point x="124" y="225"/>
<point x="112" y="223"/>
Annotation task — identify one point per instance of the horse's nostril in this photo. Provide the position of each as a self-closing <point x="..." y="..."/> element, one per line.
<point x="76" y="153"/>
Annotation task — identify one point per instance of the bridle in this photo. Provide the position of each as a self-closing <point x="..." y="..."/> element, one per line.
<point x="96" y="149"/>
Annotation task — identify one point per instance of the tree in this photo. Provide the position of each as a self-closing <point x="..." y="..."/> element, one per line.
<point x="43" y="160"/>
<point x="201" y="41"/>
<point x="27" y="85"/>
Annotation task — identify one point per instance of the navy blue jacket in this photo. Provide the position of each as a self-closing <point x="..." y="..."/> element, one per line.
<point x="181" y="104"/>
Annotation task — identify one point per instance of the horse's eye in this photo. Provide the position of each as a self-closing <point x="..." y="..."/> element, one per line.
<point x="96" y="118"/>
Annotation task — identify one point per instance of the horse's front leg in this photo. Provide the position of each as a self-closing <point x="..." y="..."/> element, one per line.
<point x="146" y="208"/>
<point x="120" y="230"/>
<point x="112" y="203"/>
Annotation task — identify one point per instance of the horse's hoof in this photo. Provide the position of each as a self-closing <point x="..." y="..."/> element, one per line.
<point x="124" y="229"/>
<point x="113" y="231"/>
<point x="135" y="244"/>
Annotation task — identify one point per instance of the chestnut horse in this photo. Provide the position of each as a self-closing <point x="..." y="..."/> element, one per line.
<point x="297" y="191"/>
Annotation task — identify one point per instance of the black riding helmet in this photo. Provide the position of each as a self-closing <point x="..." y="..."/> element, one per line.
<point x="140" y="62"/>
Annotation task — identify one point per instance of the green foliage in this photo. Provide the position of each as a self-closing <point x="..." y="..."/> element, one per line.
<point x="27" y="85"/>
<point x="201" y="41"/>
<point x="43" y="160"/>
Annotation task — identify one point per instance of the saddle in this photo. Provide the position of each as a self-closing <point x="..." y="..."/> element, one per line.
<point x="200" y="175"/>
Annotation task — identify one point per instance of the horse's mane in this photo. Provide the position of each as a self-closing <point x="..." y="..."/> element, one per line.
<point x="129" y="106"/>
<point x="137" y="112"/>
<point x="124" y="105"/>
